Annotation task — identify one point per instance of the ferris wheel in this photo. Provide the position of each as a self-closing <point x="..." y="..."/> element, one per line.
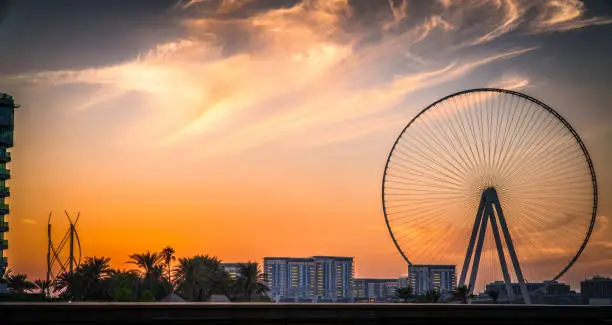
<point x="492" y="181"/>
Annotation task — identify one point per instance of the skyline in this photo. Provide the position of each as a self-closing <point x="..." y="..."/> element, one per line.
<point x="245" y="130"/>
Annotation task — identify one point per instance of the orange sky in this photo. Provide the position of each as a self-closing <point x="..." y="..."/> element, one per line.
<point x="276" y="148"/>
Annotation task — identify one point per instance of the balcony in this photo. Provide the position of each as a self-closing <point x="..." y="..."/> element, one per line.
<point x="4" y="191"/>
<point x="3" y="244"/>
<point x="4" y="226"/>
<point x="5" y="173"/>
<point x="6" y="141"/>
<point x="7" y="116"/>
<point x="3" y="262"/>
<point x="6" y="157"/>
<point x="4" y="208"/>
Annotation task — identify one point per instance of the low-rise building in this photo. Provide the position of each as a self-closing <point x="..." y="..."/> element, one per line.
<point x="423" y="278"/>
<point x="596" y="291"/>
<point x="378" y="289"/>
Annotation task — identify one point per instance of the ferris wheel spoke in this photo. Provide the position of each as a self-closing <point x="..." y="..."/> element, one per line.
<point x="425" y="166"/>
<point x="423" y="187"/>
<point x="541" y="170"/>
<point x="523" y="135"/>
<point x="510" y="131"/>
<point x="441" y="182"/>
<point x="454" y="127"/>
<point x="529" y="139"/>
<point x="422" y="182"/>
<point x="459" y="120"/>
<point x="553" y="152"/>
<point x="535" y="144"/>
<point x="472" y="127"/>
<point x="439" y="153"/>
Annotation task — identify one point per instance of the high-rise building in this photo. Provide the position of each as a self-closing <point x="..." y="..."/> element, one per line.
<point x="334" y="276"/>
<point x="301" y="278"/>
<point x="375" y="288"/>
<point x="7" y="117"/>
<point x="423" y="278"/>
<point x="275" y="270"/>
<point x="324" y="277"/>
<point x="596" y="291"/>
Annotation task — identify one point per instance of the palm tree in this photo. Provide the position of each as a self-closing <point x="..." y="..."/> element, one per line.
<point x="151" y="269"/>
<point x="149" y="263"/>
<point x="196" y="278"/>
<point x="44" y="286"/>
<point x="404" y="293"/>
<point x="122" y="285"/>
<point x="494" y="294"/>
<point x="19" y="283"/>
<point x="432" y="296"/>
<point x="250" y="280"/>
<point x="461" y="293"/>
<point x="168" y="256"/>
<point x="86" y="282"/>
<point x="96" y="268"/>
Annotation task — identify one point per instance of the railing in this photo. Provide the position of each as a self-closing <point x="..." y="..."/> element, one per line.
<point x="320" y="314"/>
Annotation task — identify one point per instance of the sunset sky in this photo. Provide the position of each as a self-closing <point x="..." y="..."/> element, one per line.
<point x="244" y="128"/>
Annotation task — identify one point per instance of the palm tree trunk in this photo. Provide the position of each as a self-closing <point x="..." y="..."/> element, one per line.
<point x="169" y="278"/>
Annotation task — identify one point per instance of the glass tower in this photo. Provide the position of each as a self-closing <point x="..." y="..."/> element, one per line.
<point x="7" y="114"/>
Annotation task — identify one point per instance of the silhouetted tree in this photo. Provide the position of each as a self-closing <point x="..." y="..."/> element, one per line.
<point x="86" y="282"/>
<point x="461" y="294"/>
<point x="19" y="283"/>
<point x="250" y="280"/>
<point x="404" y="293"/>
<point x="197" y="277"/>
<point x="44" y="286"/>
<point x="494" y="294"/>
<point x="123" y="285"/>
<point x="151" y="265"/>
<point x="168" y="256"/>
<point x="432" y="296"/>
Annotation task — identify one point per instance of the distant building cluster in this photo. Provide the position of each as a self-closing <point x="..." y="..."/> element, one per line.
<point x="331" y="278"/>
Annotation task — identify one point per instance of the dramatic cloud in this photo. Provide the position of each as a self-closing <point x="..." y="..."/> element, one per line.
<point x="245" y="75"/>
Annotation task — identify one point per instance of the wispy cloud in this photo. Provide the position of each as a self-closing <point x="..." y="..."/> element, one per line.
<point x="28" y="221"/>
<point x="306" y="67"/>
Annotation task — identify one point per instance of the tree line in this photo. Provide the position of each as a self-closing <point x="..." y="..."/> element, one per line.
<point x="460" y="294"/>
<point x="193" y="278"/>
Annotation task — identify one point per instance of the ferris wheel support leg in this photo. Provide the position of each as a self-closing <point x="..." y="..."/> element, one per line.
<point x="470" y="249"/>
<point x="515" y="261"/>
<point x="502" y="258"/>
<point x="478" y="252"/>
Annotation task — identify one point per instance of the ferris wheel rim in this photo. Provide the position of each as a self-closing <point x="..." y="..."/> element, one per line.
<point x="535" y="101"/>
